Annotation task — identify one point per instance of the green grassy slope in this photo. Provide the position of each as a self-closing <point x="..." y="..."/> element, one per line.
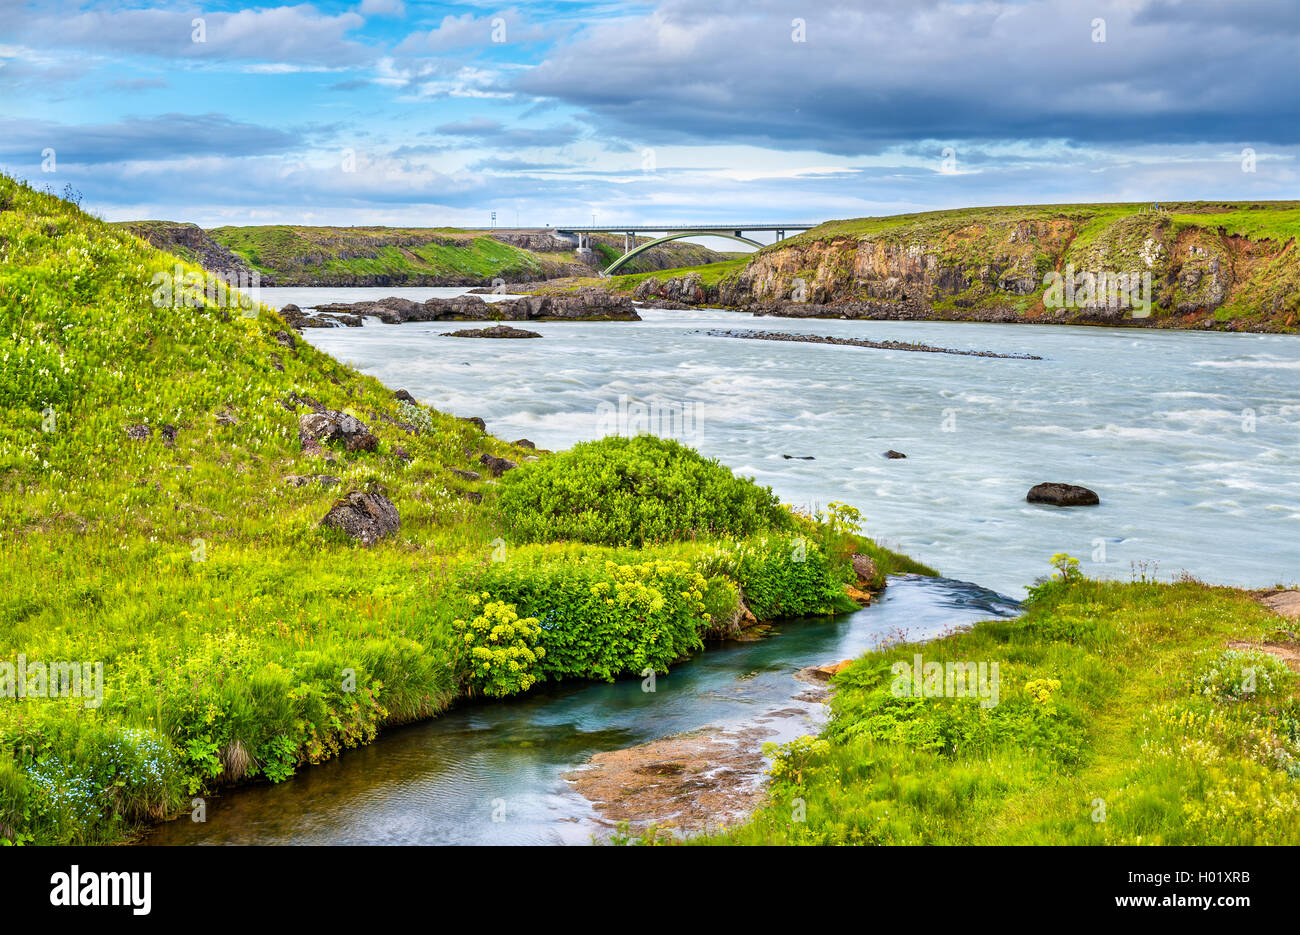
<point x="239" y="640"/>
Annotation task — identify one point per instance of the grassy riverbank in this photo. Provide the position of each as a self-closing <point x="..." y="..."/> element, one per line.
<point x="1137" y="713"/>
<point x="160" y="526"/>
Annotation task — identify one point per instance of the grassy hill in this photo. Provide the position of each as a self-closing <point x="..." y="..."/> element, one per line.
<point x="291" y="255"/>
<point x="160" y="519"/>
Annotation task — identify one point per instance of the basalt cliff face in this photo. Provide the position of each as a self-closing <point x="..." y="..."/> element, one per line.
<point x="1233" y="267"/>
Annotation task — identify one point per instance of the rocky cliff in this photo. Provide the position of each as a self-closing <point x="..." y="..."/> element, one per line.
<point x="1229" y="266"/>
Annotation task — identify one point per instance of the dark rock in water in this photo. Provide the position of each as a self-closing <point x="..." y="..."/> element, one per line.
<point x="366" y="517"/>
<point x="497" y="331"/>
<point x="586" y="304"/>
<point x="330" y="425"/>
<point x="1062" y="495"/>
<point x="799" y="457"/>
<point x="404" y="396"/>
<point x="524" y="443"/>
<point x="497" y="466"/>
<point x="892" y="454"/>
<point x="475" y="421"/>
<point x="138" y="432"/>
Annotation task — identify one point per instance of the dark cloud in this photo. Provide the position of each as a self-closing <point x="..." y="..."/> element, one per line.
<point x="140" y="139"/>
<point x="870" y="77"/>
<point x="492" y="132"/>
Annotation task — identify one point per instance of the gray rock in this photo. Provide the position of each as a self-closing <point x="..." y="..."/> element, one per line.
<point x="317" y="428"/>
<point x="366" y="517"/>
<point x="497" y="331"/>
<point x="864" y="567"/>
<point x="138" y="432"/>
<point x="497" y="466"/>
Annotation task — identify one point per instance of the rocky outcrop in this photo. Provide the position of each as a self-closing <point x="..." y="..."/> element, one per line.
<point x="1116" y="265"/>
<point x="192" y="243"/>
<point x="1062" y="495"/>
<point x="861" y="342"/>
<point x="363" y="516"/>
<point x="497" y="466"/>
<point x="497" y="331"/>
<point x="320" y="428"/>
<point x="587" y="304"/>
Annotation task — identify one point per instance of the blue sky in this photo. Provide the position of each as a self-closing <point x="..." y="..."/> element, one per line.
<point x="404" y="112"/>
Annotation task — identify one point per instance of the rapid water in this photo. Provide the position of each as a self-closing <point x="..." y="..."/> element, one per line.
<point x="446" y="780"/>
<point x="1192" y="439"/>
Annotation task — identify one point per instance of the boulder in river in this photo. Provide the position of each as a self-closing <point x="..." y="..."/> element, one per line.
<point x="366" y="517"/>
<point x="893" y="455"/>
<point x="1062" y="495"/>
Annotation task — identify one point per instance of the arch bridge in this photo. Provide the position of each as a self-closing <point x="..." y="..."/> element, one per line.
<point x="580" y="237"/>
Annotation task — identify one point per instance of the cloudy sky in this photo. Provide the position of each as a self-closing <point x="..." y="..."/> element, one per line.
<point x="428" y="114"/>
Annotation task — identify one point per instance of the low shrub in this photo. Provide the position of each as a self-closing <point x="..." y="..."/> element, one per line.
<point x="631" y="491"/>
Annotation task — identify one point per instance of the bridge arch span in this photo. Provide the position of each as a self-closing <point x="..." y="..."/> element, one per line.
<point x="679" y="235"/>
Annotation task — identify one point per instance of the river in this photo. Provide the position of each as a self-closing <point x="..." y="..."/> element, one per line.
<point x="1192" y="441"/>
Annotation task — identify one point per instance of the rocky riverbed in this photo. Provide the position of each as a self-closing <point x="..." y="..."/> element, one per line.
<point x="588" y="304"/>
<point x="862" y="342"/>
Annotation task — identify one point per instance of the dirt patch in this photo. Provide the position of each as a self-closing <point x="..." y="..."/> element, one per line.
<point x="692" y="782"/>
<point x="1286" y="603"/>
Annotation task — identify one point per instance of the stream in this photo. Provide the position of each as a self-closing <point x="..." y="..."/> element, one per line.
<point x="493" y="772"/>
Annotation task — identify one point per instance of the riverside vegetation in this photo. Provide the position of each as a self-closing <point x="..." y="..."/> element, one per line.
<point x="1129" y="713"/>
<point x="160" y="516"/>
<point x="148" y="524"/>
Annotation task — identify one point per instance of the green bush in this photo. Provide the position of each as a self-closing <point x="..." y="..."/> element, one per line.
<point x="632" y="491"/>
<point x="602" y="619"/>
<point x="781" y="576"/>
